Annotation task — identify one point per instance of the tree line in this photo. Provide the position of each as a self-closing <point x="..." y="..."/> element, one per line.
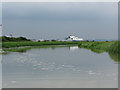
<point x="16" y="39"/>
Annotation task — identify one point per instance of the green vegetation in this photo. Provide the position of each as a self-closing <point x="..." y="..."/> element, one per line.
<point x="115" y="47"/>
<point x="13" y="39"/>
<point x="112" y="47"/>
<point x="96" y="45"/>
<point x="22" y="44"/>
<point x="30" y="43"/>
<point x="114" y="51"/>
<point x="24" y="49"/>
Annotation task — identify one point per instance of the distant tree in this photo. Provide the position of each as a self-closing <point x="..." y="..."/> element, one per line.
<point x="46" y="40"/>
<point x="21" y="39"/>
<point x="39" y="41"/>
<point x="53" y="40"/>
<point x="5" y="39"/>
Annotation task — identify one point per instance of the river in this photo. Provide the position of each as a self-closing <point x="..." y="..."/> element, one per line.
<point x="59" y="67"/>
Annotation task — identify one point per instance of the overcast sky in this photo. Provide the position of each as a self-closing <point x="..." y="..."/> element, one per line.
<point x="0" y="13"/>
<point x="59" y="20"/>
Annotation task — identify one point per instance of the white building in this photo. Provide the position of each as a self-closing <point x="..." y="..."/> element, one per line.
<point x="74" y="38"/>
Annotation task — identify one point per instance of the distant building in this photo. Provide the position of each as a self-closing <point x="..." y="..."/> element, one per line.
<point x="73" y="38"/>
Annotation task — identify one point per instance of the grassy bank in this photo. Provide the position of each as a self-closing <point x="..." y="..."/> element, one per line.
<point x="115" y="47"/>
<point x="111" y="47"/>
<point x="97" y="46"/>
<point x="29" y="43"/>
<point x="114" y="51"/>
<point x="24" y="49"/>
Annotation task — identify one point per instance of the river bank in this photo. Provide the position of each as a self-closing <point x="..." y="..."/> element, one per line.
<point x="111" y="47"/>
<point x="29" y="43"/>
<point x="96" y="46"/>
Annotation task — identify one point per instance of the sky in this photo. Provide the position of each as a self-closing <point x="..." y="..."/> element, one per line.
<point x="50" y="20"/>
<point x="0" y="12"/>
<point x="0" y="19"/>
<point x="60" y="0"/>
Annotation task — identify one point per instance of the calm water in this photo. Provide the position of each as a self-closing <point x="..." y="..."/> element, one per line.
<point x="61" y="67"/>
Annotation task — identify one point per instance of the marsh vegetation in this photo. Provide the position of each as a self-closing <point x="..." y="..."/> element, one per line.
<point x="22" y="44"/>
<point x="112" y="48"/>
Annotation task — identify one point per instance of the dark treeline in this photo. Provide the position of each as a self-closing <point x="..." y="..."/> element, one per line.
<point x="16" y="39"/>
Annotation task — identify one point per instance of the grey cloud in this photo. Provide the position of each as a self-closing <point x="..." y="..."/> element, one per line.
<point x="56" y="20"/>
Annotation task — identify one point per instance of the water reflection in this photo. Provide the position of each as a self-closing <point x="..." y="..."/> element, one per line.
<point x="73" y="48"/>
<point x="113" y="56"/>
<point x="58" y="67"/>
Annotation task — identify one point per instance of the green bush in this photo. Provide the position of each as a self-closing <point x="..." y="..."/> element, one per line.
<point x="13" y="39"/>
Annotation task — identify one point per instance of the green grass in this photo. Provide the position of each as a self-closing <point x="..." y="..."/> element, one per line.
<point x="111" y="47"/>
<point x="24" y="49"/>
<point x="29" y="43"/>
<point x="114" y="51"/>
<point x="115" y="47"/>
<point x="97" y="45"/>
